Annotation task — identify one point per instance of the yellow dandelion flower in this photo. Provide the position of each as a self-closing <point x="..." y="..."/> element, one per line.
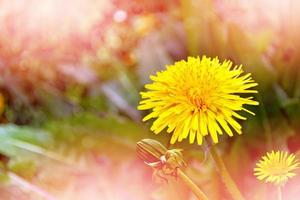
<point x="196" y="97"/>
<point x="276" y="167"/>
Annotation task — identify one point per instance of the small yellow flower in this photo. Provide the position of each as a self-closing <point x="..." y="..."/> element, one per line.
<point x="196" y="97"/>
<point x="276" y="167"/>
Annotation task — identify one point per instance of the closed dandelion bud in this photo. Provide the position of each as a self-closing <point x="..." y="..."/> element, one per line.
<point x="164" y="162"/>
<point x="150" y="150"/>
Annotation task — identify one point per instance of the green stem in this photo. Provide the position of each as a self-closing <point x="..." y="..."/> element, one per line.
<point x="189" y="183"/>
<point x="226" y="178"/>
<point x="265" y="123"/>
<point x="279" y="192"/>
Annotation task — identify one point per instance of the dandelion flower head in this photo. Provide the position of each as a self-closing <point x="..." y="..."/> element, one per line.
<point x="198" y="97"/>
<point x="276" y="167"/>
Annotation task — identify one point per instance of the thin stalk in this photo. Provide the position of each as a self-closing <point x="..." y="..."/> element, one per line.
<point x="279" y="192"/>
<point x="266" y="123"/>
<point x="189" y="183"/>
<point x="226" y="178"/>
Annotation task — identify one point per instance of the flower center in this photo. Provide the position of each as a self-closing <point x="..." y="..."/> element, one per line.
<point x="199" y="97"/>
<point x="278" y="170"/>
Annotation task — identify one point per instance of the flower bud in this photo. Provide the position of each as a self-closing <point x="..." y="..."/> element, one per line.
<point x="150" y="150"/>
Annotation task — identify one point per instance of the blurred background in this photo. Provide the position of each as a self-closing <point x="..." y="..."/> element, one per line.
<point x="70" y="76"/>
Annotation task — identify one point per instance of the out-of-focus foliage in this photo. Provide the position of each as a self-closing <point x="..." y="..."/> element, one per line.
<point x="71" y="71"/>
